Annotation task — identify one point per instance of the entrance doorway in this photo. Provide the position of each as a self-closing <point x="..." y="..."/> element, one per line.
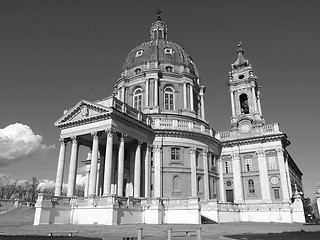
<point x="229" y="195"/>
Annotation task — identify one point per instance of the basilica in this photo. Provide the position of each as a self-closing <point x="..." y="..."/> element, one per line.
<point x="153" y="158"/>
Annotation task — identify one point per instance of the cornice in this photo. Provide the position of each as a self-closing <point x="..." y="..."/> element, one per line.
<point x="252" y="140"/>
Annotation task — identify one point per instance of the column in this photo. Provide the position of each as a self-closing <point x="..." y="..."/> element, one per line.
<point x="191" y="98"/>
<point x="202" y="103"/>
<point x="121" y="165"/>
<point x="137" y="171"/>
<point x="193" y="166"/>
<point x="86" y="187"/>
<point x="123" y="93"/>
<point x="232" y="103"/>
<point x="259" y="105"/>
<point x="221" y="184"/>
<point x="237" y="180"/>
<point x="60" y="168"/>
<point x="254" y="99"/>
<point x="73" y="167"/>
<point x="283" y="176"/>
<point x="157" y="171"/>
<point x="94" y="165"/>
<point x="156" y="91"/>
<point x="146" y="98"/>
<point x="184" y="95"/>
<point x="264" y="179"/>
<point x="147" y="171"/>
<point x="108" y="164"/>
<point x="205" y="156"/>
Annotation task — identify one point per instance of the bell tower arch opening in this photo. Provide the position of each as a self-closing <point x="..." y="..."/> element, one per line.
<point x="244" y="103"/>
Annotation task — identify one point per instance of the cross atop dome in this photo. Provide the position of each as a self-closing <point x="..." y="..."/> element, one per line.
<point x="158" y="29"/>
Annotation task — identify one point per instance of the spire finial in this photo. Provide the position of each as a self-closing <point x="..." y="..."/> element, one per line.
<point x="158" y="15"/>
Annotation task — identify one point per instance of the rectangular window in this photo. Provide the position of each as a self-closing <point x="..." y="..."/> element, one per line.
<point x="276" y="193"/>
<point x="227" y="167"/>
<point x="248" y="165"/>
<point x="272" y="163"/>
<point x="175" y="153"/>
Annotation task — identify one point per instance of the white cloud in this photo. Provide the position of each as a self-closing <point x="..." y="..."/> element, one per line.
<point x="46" y="184"/>
<point x="18" y="141"/>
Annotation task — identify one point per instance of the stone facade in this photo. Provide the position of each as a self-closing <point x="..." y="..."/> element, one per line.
<point x="153" y="158"/>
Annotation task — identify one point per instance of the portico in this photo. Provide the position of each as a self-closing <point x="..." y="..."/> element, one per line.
<point x="107" y="129"/>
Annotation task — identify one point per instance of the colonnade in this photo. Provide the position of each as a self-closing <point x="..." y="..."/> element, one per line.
<point x="107" y="168"/>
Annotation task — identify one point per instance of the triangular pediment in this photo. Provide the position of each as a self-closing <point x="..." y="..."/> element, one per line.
<point x="82" y="112"/>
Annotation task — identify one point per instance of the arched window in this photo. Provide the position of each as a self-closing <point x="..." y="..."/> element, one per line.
<point x="169" y="69"/>
<point x="251" y="186"/>
<point x="244" y="103"/>
<point x="176" y="184"/>
<point x="137" y="71"/>
<point x="137" y="99"/>
<point x="168" y="98"/>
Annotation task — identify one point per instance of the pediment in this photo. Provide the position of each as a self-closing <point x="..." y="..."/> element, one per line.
<point x="82" y="112"/>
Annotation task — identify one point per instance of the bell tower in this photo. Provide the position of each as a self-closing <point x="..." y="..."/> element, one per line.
<point x="244" y="94"/>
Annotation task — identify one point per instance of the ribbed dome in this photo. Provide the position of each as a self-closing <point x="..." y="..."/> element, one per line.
<point x="160" y="50"/>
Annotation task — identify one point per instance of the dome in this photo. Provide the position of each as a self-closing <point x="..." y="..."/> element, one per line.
<point x="160" y="51"/>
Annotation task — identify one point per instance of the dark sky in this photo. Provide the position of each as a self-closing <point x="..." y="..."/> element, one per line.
<point x="55" y="53"/>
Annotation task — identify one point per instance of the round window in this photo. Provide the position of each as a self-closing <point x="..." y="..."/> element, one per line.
<point x="241" y="76"/>
<point x="228" y="183"/>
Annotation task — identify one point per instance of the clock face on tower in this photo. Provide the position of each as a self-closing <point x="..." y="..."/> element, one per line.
<point x="245" y="128"/>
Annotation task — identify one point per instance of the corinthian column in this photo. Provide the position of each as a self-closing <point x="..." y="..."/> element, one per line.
<point x="108" y="164"/>
<point x="156" y="91"/>
<point x="73" y="167"/>
<point x="184" y="95"/>
<point x="191" y="98"/>
<point x="121" y="165"/>
<point x="147" y="93"/>
<point x="221" y="185"/>
<point x="147" y="171"/>
<point x="193" y="165"/>
<point x="60" y="168"/>
<point x="254" y="99"/>
<point x="94" y="165"/>
<point x="232" y="103"/>
<point x="202" y="102"/>
<point x="206" y="174"/>
<point x="137" y="171"/>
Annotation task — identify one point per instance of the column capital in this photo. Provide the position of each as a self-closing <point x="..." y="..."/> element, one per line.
<point x="260" y="153"/>
<point x="96" y="135"/>
<point x="279" y="151"/>
<point x="110" y="132"/>
<point x="205" y="152"/>
<point x="63" y="141"/>
<point x="74" y="139"/>
<point x="192" y="150"/>
<point x="157" y="148"/>
<point x="139" y="143"/>
<point x="122" y="137"/>
<point x="235" y="156"/>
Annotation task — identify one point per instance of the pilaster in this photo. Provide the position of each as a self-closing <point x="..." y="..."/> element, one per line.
<point x="264" y="180"/>
<point x="238" y="185"/>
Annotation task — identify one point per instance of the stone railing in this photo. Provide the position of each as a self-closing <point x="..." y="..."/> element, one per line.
<point x="183" y="125"/>
<point x="125" y="108"/>
<point x="268" y="129"/>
